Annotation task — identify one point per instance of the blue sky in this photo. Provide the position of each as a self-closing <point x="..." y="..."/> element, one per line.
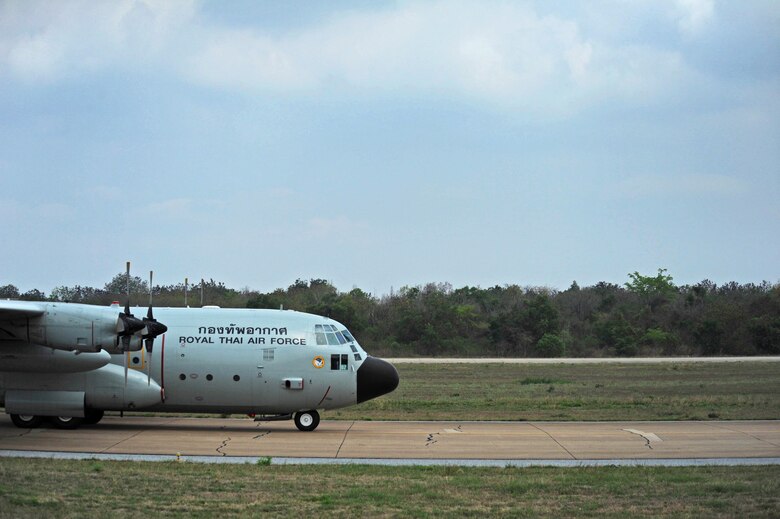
<point x="382" y="144"/>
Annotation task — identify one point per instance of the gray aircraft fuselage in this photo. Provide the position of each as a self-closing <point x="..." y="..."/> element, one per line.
<point x="61" y="359"/>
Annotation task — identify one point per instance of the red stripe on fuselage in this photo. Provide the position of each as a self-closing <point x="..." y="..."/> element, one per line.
<point x="162" y="370"/>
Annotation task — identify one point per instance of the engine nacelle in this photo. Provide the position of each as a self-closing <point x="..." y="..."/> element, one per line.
<point x="69" y="326"/>
<point x="103" y="388"/>
<point x="106" y="389"/>
<point x="75" y="327"/>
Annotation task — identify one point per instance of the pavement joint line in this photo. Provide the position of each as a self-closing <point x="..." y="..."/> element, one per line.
<point x="344" y="439"/>
<point x="553" y="439"/>
<point x="719" y="426"/>
<point x="122" y="441"/>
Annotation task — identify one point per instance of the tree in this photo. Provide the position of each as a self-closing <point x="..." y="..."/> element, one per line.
<point x="708" y="336"/>
<point x="550" y="345"/>
<point x="273" y="300"/>
<point x="765" y="332"/>
<point x="657" y="339"/>
<point x="118" y="285"/>
<point x="9" y="292"/>
<point x="660" y="284"/>
<point x="617" y="333"/>
<point x="540" y="317"/>
<point x="33" y="295"/>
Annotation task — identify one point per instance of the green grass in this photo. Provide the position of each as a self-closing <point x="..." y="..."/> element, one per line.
<point x="688" y="391"/>
<point x="35" y="488"/>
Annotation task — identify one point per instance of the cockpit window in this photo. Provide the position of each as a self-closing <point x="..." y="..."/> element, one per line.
<point x="329" y="335"/>
<point x="321" y="340"/>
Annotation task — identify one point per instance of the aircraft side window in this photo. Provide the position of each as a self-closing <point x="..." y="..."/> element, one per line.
<point x="332" y="339"/>
<point x="341" y="338"/>
<point x="348" y="336"/>
<point x="339" y="362"/>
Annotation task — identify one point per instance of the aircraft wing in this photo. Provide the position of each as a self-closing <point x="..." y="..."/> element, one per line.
<point x="15" y="309"/>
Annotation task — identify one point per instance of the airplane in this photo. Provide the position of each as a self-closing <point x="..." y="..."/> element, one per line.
<point x="68" y="363"/>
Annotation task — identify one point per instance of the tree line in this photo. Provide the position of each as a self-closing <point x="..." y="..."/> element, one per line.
<point x="646" y="316"/>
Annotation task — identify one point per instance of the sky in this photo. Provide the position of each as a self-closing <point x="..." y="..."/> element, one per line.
<point x="385" y="144"/>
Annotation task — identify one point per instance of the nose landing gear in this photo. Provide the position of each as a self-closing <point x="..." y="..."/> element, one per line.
<point x="307" y="420"/>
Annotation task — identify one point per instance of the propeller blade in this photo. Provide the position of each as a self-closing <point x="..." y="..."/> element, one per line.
<point x="127" y="324"/>
<point x="127" y="301"/>
<point x="153" y="327"/>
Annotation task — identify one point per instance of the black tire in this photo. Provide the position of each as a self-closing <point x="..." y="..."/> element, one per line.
<point x="66" y="422"/>
<point x="26" y="421"/>
<point x="307" y="420"/>
<point x="92" y="416"/>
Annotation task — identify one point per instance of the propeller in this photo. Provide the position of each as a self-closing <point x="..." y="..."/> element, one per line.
<point x="127" y="325"/>
<point x="152" y="328"/>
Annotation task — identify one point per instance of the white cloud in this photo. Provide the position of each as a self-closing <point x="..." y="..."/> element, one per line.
<point x="507" y="54"/>
<point x="44" y="41"/>
<point x="246" y="60"/>
<point x="693" y="15"/>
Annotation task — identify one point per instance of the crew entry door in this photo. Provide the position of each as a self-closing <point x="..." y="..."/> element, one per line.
<point x="265" y="384"/>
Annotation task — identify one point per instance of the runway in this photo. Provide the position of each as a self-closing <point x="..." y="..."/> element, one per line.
<point x="467" y="443"/>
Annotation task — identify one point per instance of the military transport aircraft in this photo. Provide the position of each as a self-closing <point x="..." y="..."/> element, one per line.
<point x="67" y="363"/>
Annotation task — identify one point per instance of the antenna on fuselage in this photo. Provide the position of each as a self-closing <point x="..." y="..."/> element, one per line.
<point x="201" y="292"/>
<point x="186" y="286"/>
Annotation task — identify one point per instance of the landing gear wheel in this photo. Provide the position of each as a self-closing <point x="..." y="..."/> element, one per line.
<point x="66" y="422"/>
<point x="26" y="421"/>
<point x="92" y="416"/>
<point x="307" y="420"/>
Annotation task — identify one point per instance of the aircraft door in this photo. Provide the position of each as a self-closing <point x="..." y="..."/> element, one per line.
<point x="265" y="391"/>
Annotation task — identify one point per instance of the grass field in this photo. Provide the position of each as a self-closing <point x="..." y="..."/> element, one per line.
<point x="687" y="391"/>
<point x="745" y="390"/>
<point x="44" y="488"/>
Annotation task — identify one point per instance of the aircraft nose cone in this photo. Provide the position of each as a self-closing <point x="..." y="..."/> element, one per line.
<point x="375" y="377"/>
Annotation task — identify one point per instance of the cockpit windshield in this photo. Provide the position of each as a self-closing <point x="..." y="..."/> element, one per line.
<point x="348" y="335"/>
<point x="329" y="335"/>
